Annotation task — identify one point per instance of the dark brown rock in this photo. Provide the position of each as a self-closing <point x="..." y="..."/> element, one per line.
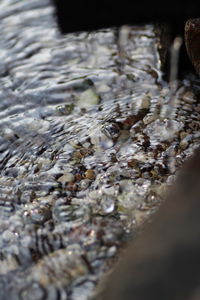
<point x="164" y="262"/>
<point x="192" y="41"/>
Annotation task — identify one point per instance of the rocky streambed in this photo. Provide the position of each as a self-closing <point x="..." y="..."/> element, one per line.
<point x="89" y="143"/>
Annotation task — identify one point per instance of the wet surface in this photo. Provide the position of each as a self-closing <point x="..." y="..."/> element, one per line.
<point x="88" y="142"/>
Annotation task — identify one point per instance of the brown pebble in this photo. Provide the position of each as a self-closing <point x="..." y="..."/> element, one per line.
<point x="133" y="163"/>
<point x="72" y="187"/>
<point x="78" y="177"/>
<point x="78" y="155"/>
<point x="90" y="174"/>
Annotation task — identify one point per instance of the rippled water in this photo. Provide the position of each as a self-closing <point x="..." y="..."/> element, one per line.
<point x="86" y="147"/>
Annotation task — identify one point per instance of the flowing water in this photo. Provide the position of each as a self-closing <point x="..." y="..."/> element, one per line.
<point x="89" y="140"/>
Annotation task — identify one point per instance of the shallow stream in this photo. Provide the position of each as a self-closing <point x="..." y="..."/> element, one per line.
<point x="88" y="146"/>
